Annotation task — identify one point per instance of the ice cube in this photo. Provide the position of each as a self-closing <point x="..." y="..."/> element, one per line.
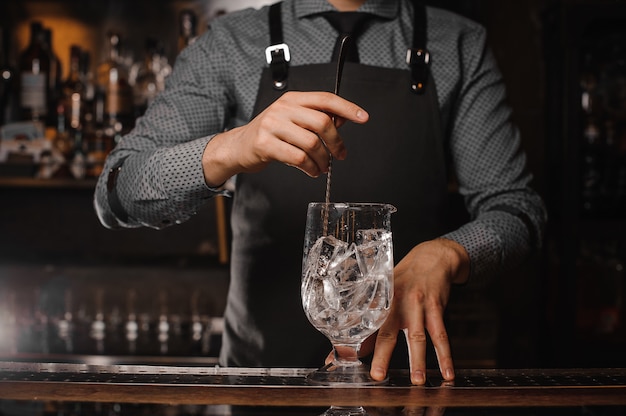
<point x="327" y="317"/>
<point x="374" y="249"/>
<point x="372" y="234"/>
<point x="322" y="253"/>
<point x="358" y="296"/>
<point x="345" y="267"/>
<point x="348" y="320"/>
<point x="331" y="294"/>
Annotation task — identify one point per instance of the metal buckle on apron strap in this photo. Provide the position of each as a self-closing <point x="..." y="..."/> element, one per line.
<point x="278" y="57"/>
<point x="418" y="59"/>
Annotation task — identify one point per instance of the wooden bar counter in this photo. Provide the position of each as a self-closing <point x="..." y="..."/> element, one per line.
<point x="175" y="385"/>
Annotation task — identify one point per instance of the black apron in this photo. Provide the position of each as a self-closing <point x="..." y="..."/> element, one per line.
<point x="397" y="157"/>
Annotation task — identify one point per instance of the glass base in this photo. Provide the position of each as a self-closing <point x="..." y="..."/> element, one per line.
<point x="345" y="411"/>
<point x="351" y="375"/>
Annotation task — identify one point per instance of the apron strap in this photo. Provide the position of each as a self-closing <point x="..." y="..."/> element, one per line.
<point x="277" y="54"/>
<point x="417" y="56"/>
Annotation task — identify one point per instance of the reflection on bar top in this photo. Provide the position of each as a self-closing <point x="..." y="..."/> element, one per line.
<point x="238" y="376"/>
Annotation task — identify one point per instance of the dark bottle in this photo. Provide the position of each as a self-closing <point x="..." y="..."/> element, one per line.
<point x="118" y="94"/>
<point x="8" y="80"/>
<point x="97" y="143"/>
<point x="131" y="326"/>
<point x="97" y="332"/>
<point x="65" y="325"/>
<point x="610" y="170"/>
<point x="86" y="77"/>
<point x="88" y="128"/>
<point x="148" y="76"/>
<point x="592" y="177"/>
<point x="34" y="67"/>
<point x="144" y="78"/>
<point x="73" y="92"/>
<point x="62" y="140"/>
<point x="589" y="88"/>
<point x="592" y="146"/>
<point x="188" y="29"/>
<point x="73" y="101"/>
<point x="620" y="174"/>
<point x="200" y="325"/>
<point x="54" y="78"/>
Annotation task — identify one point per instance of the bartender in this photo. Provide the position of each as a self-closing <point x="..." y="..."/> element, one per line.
<point x="421" y="98"/>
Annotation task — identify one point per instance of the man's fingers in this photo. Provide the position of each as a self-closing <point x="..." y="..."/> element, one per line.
<point x="368" y="345"/>
<point x="439" y="337"/>
<point x="327" y="112"/>
<point x="331" y="104"/>
<point x="330" y="357"/>
<point x="293" y="155"/>
<point x="416" y="340"/>
<point x="385" y="344"/>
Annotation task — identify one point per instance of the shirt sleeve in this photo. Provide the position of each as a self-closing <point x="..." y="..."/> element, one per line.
<point x="507" y="217"/>
<point x="161" y="180"/>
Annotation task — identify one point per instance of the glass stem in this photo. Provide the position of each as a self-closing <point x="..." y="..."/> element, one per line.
<point x="347" y="354"/>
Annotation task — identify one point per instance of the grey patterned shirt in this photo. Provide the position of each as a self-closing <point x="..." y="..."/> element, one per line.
<point x="214" y="86"/>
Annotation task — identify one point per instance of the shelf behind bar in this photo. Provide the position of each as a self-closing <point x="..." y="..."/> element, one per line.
<point x="113" y="360"/>
<point x="288" y="387"/>
<point x="33" y="183"/>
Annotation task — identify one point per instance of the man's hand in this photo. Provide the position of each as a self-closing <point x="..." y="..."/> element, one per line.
<point x="299" y="129"/>
<point x="422" y="288"/>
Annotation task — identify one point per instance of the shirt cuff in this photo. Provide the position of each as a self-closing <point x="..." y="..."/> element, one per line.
<point x="494" y="242"/>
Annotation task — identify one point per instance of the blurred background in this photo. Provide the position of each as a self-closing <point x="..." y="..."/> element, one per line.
<point x="72" y="290"/>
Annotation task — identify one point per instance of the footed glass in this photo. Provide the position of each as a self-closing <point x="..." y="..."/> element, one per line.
<point x="347" y="282"/>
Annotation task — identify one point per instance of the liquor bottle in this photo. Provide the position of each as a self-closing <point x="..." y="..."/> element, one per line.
<point x="7" y="81"/>
<point x="112" y="78"/>
<point x="610" y="169"/>
<point x="148" y="76"/>
<point x="591" y="168"/>
<point x="63" y="143"/>
<point x="163" y="326"/>
<point x="132" y="326"/>
<point x="72" y="104"/>
<point x="200" y="326"/>
<point x="589" y="85"/>
<point x="78" y="163"/>
<point x="66" y="324"/>
<point x="86" y="77"/>
<point x="593" y="144"/>
<point x="144" y="79"/>
<point x="115" y="331"/>
<point x="188" y="29"/>
<point x="34" y="67"/>
<point x="73" y="92"/>
<point x="54" y="78"/>
<point x="97" y="144"/>
<point x="97" y="332"/>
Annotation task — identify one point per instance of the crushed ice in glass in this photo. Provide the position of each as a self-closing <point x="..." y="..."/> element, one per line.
<point x="346" y="285"/>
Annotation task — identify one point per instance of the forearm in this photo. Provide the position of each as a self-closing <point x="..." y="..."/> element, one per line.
<point x="219" y="159"/>
<point x="155" y="188"/>
<point x="499" y="239"/>
<point x="457" y="258"/>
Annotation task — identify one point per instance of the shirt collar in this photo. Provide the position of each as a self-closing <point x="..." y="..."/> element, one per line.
<point x="387" y="9"/>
